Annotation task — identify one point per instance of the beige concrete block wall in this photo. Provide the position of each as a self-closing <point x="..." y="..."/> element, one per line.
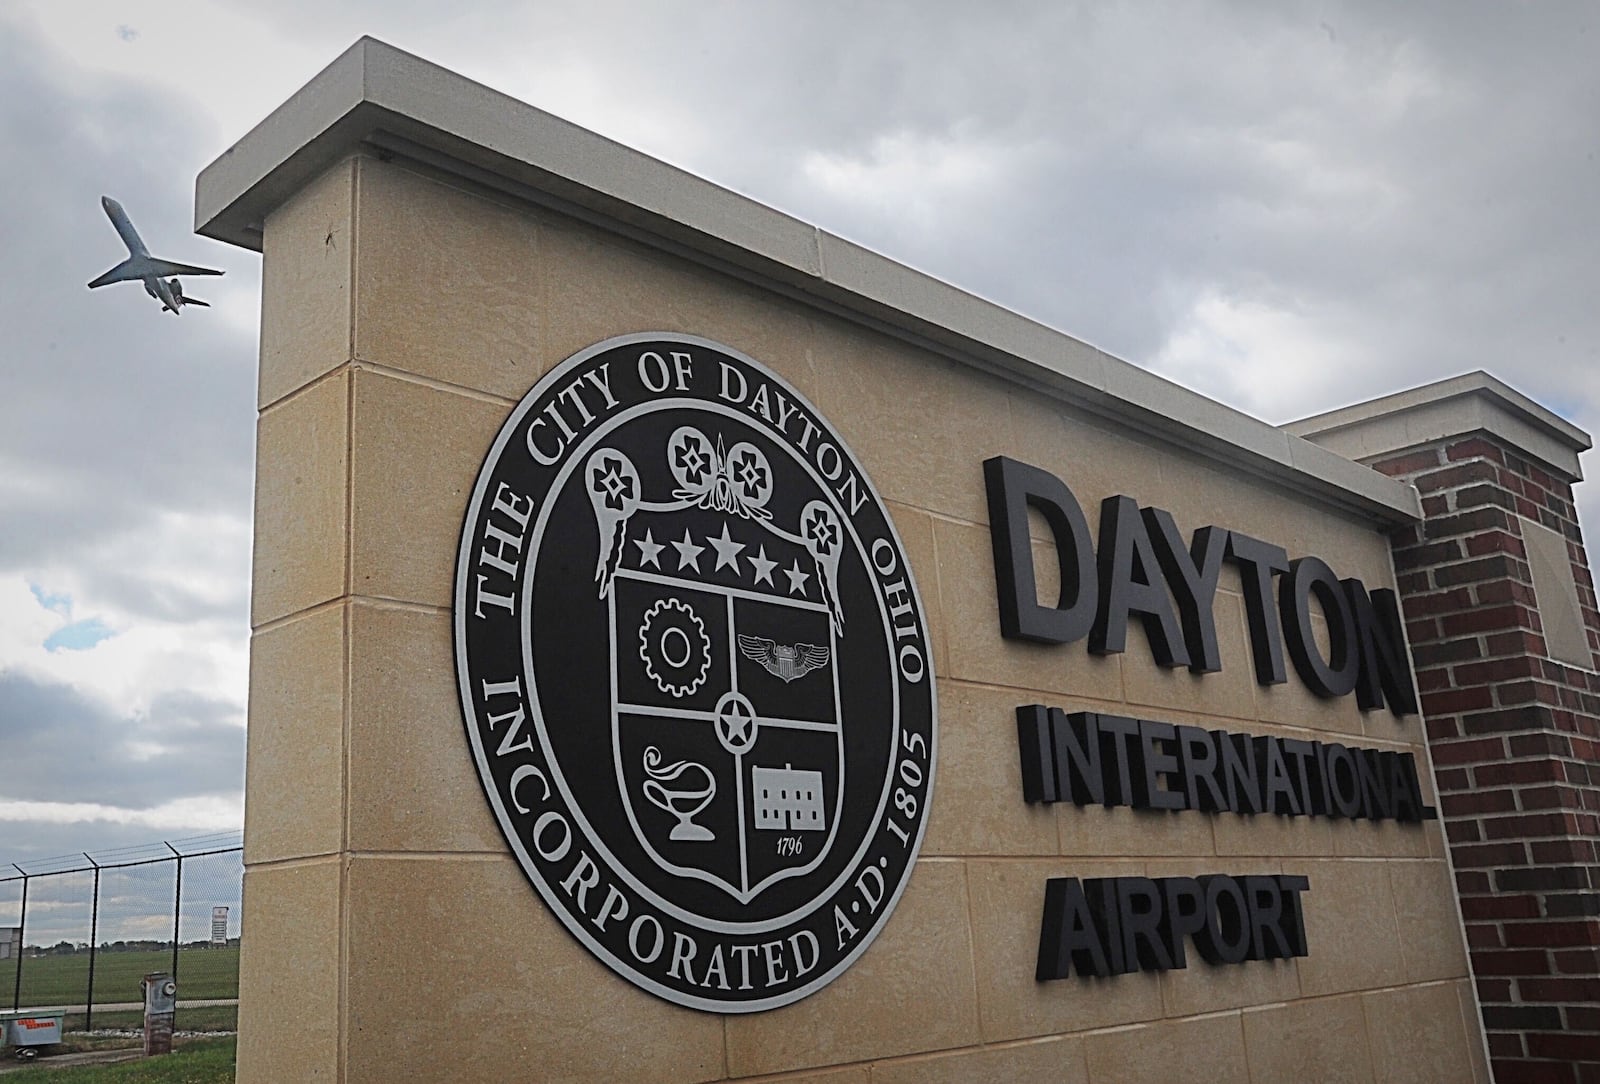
<point x="402" y="319"/>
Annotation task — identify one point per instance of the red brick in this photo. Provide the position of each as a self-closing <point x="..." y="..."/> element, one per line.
<point x="1541" y="744"/>
<point x="1452" y="477"/>
<point x="1469" y="751"/>
<point x="1484" y="935"/>
<point x="1409" y="463"/>
<point x="1454" y="701"/>
<point x="1505" y="1045"/>
<point x="1436" y="504"/>
<point x="1436" y="553"/>
<point x="1478" y="801"/>
<point x="1569" y="1047"/>
<point x="1437" y="678"/>
<point x="1474" y="448"/>
<point x="1466" y="523"/>
<point x="1526" y="825"/>
<point x="1504" y="720"/>
<point x="1484" y="568"/>
<point x="1514" y="693"/>
<point x="1559" y="989"/>
<point x="1524" y="771"/>
<point x="1489" y="855"/>
<point x="1517" y="642"/>
<point x="1583" y="961"/>
<point x="1549" y="934"/>
<point x="1477" y="496"/>
<point x="1515" y="1071"/>
<point x="1408" y="582"/>
<point x="1510" y="962"/>
<point x="1505" y="591"/>
<point x="1436" y="654"/>
<point x="1499" y="907"/>
<point x="1440" y="602"/>
<point x="1487" y="619"/>
<point x="1522" y="1017"/>
<point x="1441" y="727"/>
<point x="1494" y="991"/>
<point x="1422" y="630"/>
<point x="1583" y="1018"/>
<point x="1463" y="831"/>
<point x="1492" y="670"/>
<point x="1534" y="798"/>
<point x="1495" y="542"/>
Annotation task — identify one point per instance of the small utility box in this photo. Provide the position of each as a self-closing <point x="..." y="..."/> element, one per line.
<point x="28" y="1032"/>
<point x="160" y="1006"/>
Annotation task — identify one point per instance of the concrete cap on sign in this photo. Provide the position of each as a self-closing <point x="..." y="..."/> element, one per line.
<point x="1455" y="407"/>
<point x="380" y="100"/>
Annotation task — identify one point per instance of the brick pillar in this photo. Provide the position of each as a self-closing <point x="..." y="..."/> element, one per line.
<point x="1501" y="613"/>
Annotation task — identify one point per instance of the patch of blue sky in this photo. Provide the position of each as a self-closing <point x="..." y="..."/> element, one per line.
<point x="78" y="636"/>
<point x="61" y="604"/>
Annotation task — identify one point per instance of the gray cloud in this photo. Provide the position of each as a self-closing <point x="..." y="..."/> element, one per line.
<point x="61" y="746"/>
<point x="115" y="412"/>
<point x="1395" y="194"/>
<point x="1414" y="183"/>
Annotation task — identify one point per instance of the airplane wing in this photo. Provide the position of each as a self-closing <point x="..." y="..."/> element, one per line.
<point x="167" y="267"/>
<point x="138" y="267"/>
<point x="127" y="271"/>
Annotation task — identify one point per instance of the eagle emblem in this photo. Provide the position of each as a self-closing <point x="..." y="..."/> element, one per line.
<point x="783" y="660"/>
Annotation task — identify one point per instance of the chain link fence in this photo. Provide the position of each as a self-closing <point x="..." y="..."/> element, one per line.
<point x="79" y="933"/>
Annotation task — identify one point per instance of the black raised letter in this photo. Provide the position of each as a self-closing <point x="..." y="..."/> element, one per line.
<point x="1131" y="581"/>
<point x="1192" y="576"/>
<point x="1336" y="675"/>
<point x="1012" y="487"/>
<point x="1258" y="562"/>
<point x="1385" y="663"/>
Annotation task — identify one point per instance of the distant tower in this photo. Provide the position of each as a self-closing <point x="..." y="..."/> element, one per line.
<point x="219" y="925"/>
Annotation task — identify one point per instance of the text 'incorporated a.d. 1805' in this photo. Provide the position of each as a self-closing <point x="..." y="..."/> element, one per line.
<point x="695" y="672"/>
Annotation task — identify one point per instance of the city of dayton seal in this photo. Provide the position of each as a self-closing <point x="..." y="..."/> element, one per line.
<point x="695" y="673"/>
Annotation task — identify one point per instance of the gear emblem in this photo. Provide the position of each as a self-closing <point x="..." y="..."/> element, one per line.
<point x="675" y="647"/>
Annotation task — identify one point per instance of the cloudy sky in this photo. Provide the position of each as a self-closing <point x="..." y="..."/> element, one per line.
<point x="1288" y="207"/>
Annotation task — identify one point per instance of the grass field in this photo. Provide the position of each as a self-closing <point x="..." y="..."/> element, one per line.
<point x="64" y="980"/>
<point x="208" y="1061"/>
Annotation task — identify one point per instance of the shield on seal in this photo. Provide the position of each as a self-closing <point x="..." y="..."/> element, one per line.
<point x="725" y="634"/>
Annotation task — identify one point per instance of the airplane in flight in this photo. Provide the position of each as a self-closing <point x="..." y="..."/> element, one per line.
<point x="143" y="267"/>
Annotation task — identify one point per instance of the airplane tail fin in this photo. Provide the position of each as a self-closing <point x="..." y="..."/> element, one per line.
<point x="177" y="293"/>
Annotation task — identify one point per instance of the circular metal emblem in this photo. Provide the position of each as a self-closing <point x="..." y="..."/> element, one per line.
<point x="695" y="672"/>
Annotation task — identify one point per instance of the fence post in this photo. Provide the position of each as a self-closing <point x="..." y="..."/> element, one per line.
<point x="177" y="915"/>
<point x="22" y="938"/>
<point x="94" y="935"/>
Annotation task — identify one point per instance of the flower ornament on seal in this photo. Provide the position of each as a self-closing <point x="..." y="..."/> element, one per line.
<point x="749" y="480"/>
<point x="819" y="527"/>
<point x="613" y="485"/>
<point x="694" y="462"/>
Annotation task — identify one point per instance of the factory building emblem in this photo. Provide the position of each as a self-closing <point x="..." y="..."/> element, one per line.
<point x="695" y="673"/>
